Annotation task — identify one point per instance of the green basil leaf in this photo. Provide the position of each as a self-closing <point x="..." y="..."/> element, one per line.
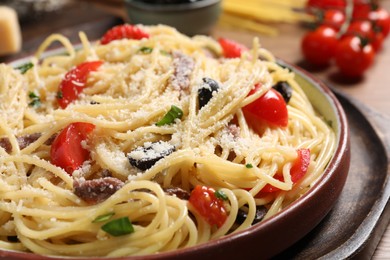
<point x="170" y="117"/>
<point x="103" y="217"/>
<point x="220" y="195"/>
<point x="25" y="67"/>
<point x="118" y="227"/>
<point x="248" y="165"/>
<point x="35" y="100"/>
<point x="32" y="95"/>
<point x="146" y="50"/>
<point x="35" y="103"/>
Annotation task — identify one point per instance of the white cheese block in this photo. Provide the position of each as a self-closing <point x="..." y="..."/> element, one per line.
<point x="10" y="35"/>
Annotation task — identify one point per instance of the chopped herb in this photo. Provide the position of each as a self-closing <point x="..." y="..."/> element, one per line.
<point x="35" y="100"/>
<point x="118" y="227"/>
<point x="220" y="195"/>
<point x="146" y="50"/>
<point x="248" y="165"/>
<point x="32" y="95"/>
<point x="103" y="217"/>
<point x="25" y="67"/>
<point x="170" y="117"/>
<point x="59" y="94"/>
<point x="165" y="53"/>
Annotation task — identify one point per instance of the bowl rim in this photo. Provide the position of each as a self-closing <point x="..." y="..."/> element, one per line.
<point x="340" y="158"/>
<point x="191" y="6"/>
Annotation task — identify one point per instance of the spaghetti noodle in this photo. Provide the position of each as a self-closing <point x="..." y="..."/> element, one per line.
<point x="135" y="167"/>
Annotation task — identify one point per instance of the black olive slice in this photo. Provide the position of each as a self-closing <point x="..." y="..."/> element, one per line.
<point x="205" y="92"/>
<point x="144" y="157"/>
<point x="284" y="89"/>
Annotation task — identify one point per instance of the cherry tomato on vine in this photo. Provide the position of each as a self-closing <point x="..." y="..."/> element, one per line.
<point x="74" y="82"/>
<point x="210" y="207"/>
<point x="268" y="110"/>
<point x="381" y="18"/>
<point x="297" y="171"/>
<point x="231" y="49"/>
<point x="333" y="18"/>
<point x="360" y="28"/>
<point x="361" y="11"/>
<point x="326" y="4"/>
<point x="365" y="29"/>
<point x="353" y="56"/>
<point x="67" y="150"/>
<point x="318" y="46"/>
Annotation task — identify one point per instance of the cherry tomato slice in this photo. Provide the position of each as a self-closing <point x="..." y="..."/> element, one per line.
<point x="268" y="110"/>
<point x="74" y="82"/>
<point x="123" y="31"/>
<point x="353" y="57"/>
<point x="67" y="150"/>
<point x="208" y="205"/>
<point x="297" y="171"/>
<point x="319" y="46"/>
<point x="231" y="49"/>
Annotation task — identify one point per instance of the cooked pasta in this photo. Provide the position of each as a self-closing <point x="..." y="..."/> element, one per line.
<point x="147" y="140"/>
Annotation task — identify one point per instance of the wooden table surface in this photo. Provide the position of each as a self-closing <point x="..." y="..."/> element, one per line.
<point x="373" y="90"/>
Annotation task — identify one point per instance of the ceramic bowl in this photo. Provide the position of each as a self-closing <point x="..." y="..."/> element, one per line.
<point x="196" y="17"/>
<point x="272" y="236"/>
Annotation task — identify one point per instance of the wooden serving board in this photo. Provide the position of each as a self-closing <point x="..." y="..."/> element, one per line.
<point x="356" y="224"/>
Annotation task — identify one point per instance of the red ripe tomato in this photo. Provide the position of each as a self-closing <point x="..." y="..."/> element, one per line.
<point x="364" y="29"/>
<point x="361" y="11"/>
<point x="381" y="18"/>
<point x="377" y="41"/>
<point x="326" y="4"/>
<point x="318" y="46"/>
<point x="297" y="171"/>
<point x="67" y="150"/>
<point x="208" y="205"/>
<point x="268" y="110"/>
<point x="74" y="82"/>
<point x="333" y="18"/>
<point x="360" y="28"/>
<point x="353" y="57"/>
<point x="231" y="49"/>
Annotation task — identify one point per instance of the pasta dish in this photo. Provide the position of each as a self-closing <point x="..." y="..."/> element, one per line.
<point x="147" y="141"/>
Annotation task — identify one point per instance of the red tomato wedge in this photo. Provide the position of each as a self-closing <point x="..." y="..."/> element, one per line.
<point x="74" y="82"/>
<point x="231" y="49"/>
<point x="297" y="171"/>
<point x="208" y="205"/>
<point x="269" y="109"/>
<point x="124" y="31"/>
<point x="67" y="150"/>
